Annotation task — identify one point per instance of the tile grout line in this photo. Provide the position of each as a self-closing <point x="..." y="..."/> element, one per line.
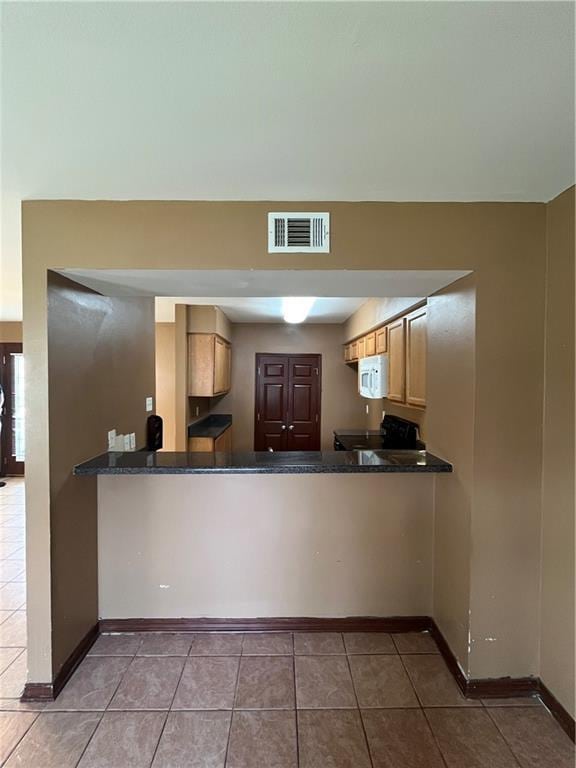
<point x="295" y="704"/>
<point x="168" y="712"/>
<point x="234" y="701"/>
<point x="21" y="739"/>
<point x="370" y="757"/>
<point x="423" y="710"/>
<point x="502" y="735"/>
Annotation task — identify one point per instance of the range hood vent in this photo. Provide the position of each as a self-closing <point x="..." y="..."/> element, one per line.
<point x="298" y="232"/>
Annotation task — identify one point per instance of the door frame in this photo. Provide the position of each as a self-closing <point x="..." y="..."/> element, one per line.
<point x="317" y="355"/>
<point x="14" y="468"/>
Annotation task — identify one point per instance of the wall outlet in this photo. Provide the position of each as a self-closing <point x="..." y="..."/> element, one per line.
<point x="149" y="404"/>
<point x="111" y="439"/>
<point x="126" y="442"/>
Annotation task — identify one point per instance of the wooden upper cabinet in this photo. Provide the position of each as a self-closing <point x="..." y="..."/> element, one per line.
<point x="361" y="347"/>
<point x="370" y="344"/>
<point x="209" y="365"/>
<point x="416" y="357"/>
<point x="381" y="341"/>
<point x="353" y="351"/>
<point x="396" y="361"/>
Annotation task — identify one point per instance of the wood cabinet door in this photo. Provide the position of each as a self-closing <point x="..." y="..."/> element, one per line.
<point x="228" y="376"/>
<point x="200" y="364"/>
<point x="370" y="341"/>
<point x="396" y="361"/>
<point x="353" y="351"/>
<point x="381" y="341"/>
<point x="416" y="357"/>
<point x="223" y="442"/>
<point x="347" y="353"/>
<point x="361" y="348"/>
<point x="221" y="366"/>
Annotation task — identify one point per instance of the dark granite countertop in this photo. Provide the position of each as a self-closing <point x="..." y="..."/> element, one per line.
<point x="295" y="462"/>
<point x="210" y="426"/>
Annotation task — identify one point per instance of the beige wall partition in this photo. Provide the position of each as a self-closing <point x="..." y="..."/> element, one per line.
<point x="341" y="406"/>
<point x="266" y="545"/>
<point x="101" y="369"/>
<point x="166" y="381"/>
<point x="504" y="244"/>
<point x="557" y="616"/>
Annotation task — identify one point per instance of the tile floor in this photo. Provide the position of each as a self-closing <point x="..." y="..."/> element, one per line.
<point x="276" y="700"/>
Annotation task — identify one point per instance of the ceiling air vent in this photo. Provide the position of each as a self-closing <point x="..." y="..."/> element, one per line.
<point x="298" y="232"/>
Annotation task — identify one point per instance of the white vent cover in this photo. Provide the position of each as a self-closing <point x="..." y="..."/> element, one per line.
<point x="298" y="232"/>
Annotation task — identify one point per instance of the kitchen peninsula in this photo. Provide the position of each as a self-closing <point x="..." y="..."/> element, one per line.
<point x="264" y="535"/>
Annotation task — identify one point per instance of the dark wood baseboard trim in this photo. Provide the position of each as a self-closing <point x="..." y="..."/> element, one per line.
<point x="287" y="624"/>
<point x="49" y="691"/>
<point x="561" y="715"/>
<point x="502" y="687"/>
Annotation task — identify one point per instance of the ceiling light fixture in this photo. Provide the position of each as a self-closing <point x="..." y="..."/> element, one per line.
<point x="296" y="308"/>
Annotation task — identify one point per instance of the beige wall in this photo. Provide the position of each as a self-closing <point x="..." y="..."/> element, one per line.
<point x="503" y="243"/>
<point x="341" y="406"/>
<point x="450" y="434"/>
<point x="557" y="614"/>
<point x="101" y="368"/>
<point x="237" y="546"/>
<point x="10" y="332"/>
<point x="166" y="381"/>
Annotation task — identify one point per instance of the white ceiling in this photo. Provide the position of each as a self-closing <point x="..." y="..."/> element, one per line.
<point x="255" y="295"/>
<point x="261" y="309"/>
<point x="282" y="101"/>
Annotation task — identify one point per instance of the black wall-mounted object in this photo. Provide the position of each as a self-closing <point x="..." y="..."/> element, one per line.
<point x="154" y="433"/>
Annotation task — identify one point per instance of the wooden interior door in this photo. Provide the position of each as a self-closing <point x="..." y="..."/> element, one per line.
<point x="12" y="410"/>
<point x="288" y="396"/>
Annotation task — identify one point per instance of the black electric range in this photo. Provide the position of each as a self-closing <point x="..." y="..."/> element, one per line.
<point x="394" y="434"/>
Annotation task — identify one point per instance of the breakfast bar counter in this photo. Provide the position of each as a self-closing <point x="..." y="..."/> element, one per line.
<point x="263" y="462"/>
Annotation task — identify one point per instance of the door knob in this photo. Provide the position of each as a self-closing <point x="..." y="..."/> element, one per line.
<point x="283" y="426"/>
<point x="291" y="426"/>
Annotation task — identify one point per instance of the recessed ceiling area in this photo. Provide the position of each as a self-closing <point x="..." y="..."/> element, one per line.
<point x="255" y="295"/>
<point x="352" y="101"/>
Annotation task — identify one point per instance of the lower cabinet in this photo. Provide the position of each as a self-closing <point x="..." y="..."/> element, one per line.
<point x="220" y="444"/>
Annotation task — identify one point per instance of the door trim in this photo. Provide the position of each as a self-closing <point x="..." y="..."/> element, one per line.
<point x="7" y="348"/>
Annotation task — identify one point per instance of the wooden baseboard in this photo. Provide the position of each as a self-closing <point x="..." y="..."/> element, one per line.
<point x="502" y="687"/>
<point x="280" y="624"/>
<point x="49" y="691"/>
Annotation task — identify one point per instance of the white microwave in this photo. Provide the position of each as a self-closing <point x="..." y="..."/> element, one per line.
<point x="373" y="376"/>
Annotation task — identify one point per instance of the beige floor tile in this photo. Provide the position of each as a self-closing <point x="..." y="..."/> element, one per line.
<point x="216" y="644"/>
<point x="324" y="682"/>
<point x="56" y="740"/>
<point x="165" y="644"/>
<point x="124" y="740"/>
<point x="12" y="596"/>
<point x="12" y="681"/>
<point x="469" y="739"/>
<point x="260" y="739"/>
<point x="332" y="739"/>
<point x="15" y="705"/>
<point x="534" y="737"/>
<point x="265" y="682"/>
<point x="116" y="645"/>
<point x="93" y="684"/>
<point x="368" y="642"/>
<point x="207" y="682"/>
<point x="320" y="643"/>
<point x="524" y="701"/>
<point x="13" y="726"/>
<point x="381" y="681"/>
<point x="193" y="740"/>
<point x="149" y="683"/>
<point x="400" y="738"/>
<point x="7" y="656"/>
<point x="414" y="642"/>
<point x="268" y="644"/>
<point x="434" y="684"/>
<point x="13" y="631"/>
